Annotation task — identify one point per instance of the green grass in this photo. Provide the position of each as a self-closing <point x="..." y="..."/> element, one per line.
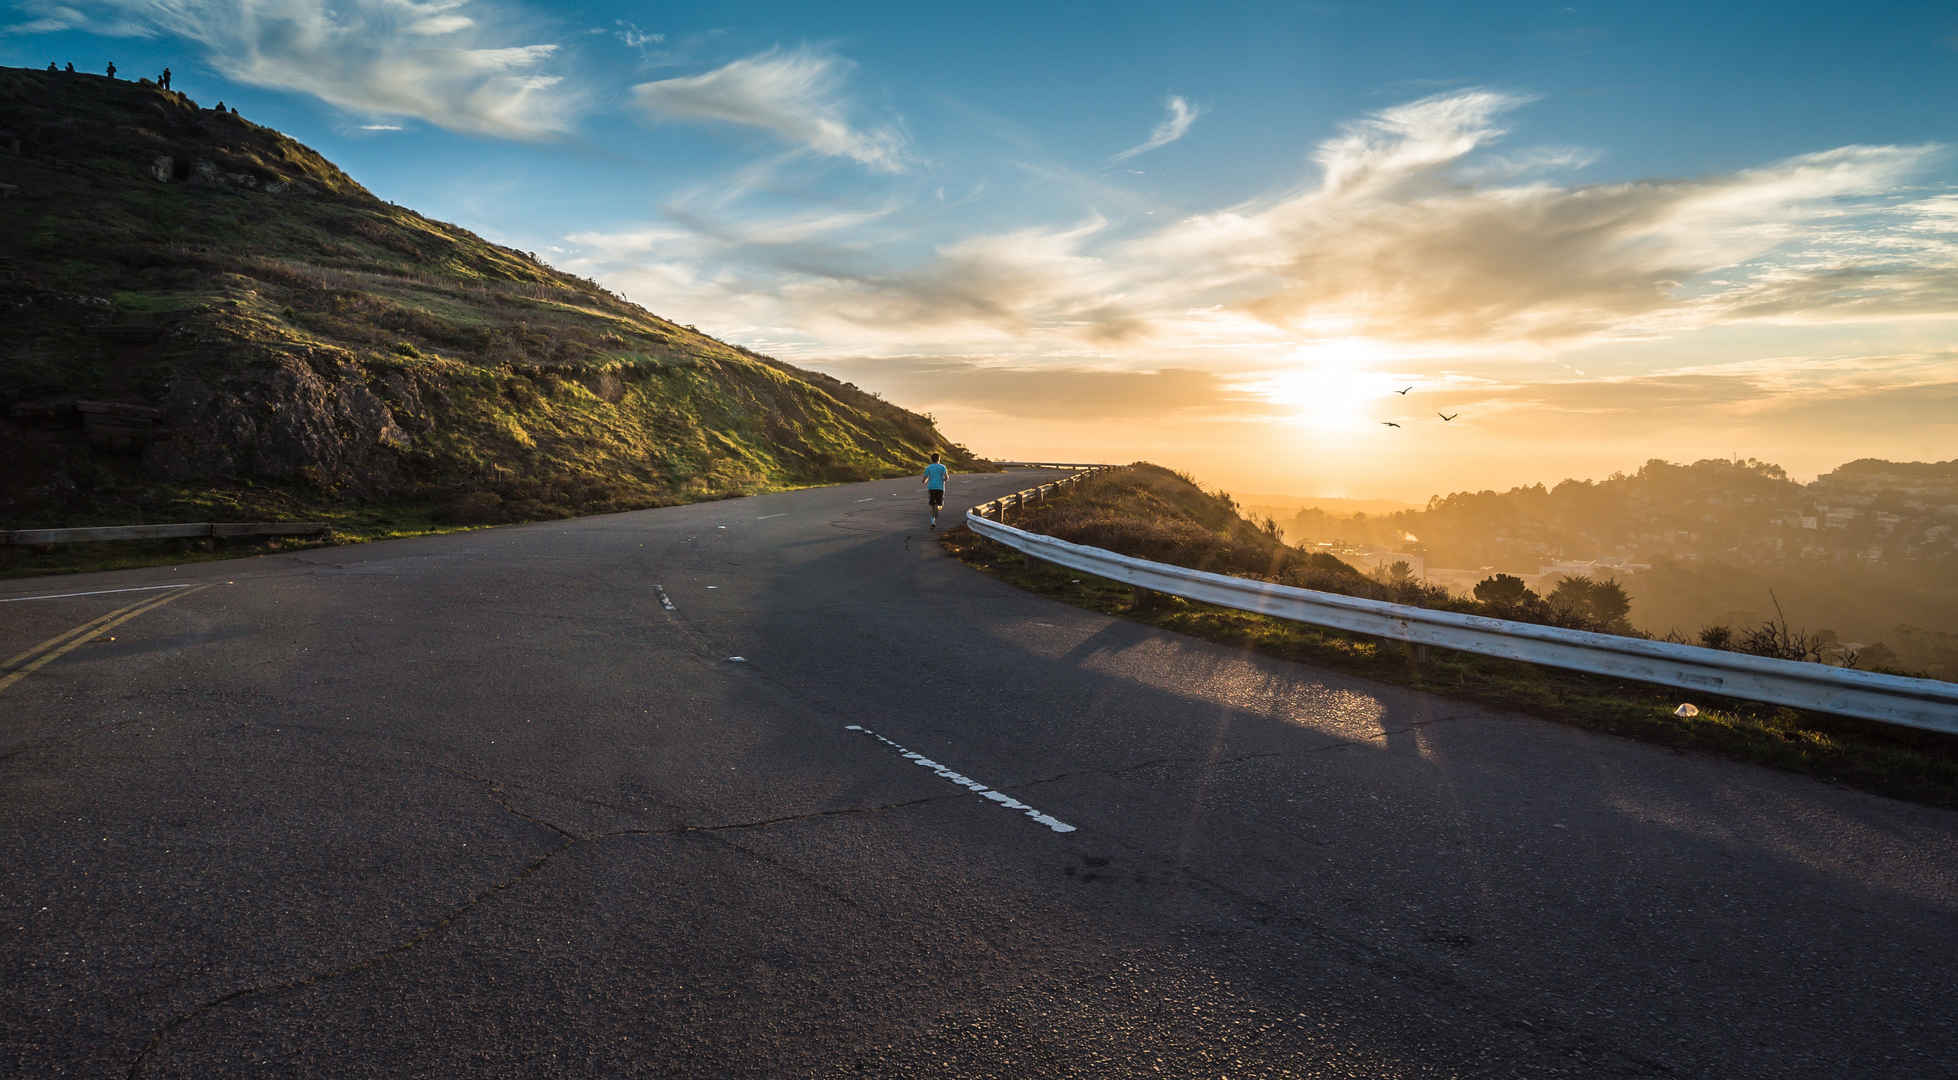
<point x="1898" y="762"/>
<point x="281" y="326"/>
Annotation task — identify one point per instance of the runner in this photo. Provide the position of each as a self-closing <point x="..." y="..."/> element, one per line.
<point x="935" y="487"/>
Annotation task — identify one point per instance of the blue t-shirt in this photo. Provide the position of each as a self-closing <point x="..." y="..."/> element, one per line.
<point x="935" y="477"/>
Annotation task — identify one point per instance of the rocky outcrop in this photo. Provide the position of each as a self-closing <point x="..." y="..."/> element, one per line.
<point x="289" y="422"/>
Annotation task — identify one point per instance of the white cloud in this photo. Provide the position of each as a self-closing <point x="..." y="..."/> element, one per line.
<point x="380" y="127"/>
<point x="427" y="60"/>
<point x="635" y="38"/>
<point x="795" y="95"/>
<point x="56" y="17"/>
<point x="1400" y="236"/>
<point x="1173" y="127"/>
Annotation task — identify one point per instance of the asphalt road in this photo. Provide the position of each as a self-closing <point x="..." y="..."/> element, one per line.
<point x="481" y="805"/>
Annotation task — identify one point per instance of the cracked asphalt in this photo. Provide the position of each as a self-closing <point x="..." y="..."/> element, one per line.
<point x="478" y="805"/>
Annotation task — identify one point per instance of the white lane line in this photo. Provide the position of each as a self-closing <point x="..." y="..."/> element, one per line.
<point x="975" y="786"/>
<point x="868" y="498"/>
<point x="765" y="517"/>
<point x="96" y="592"/>
<point x="664" y="600"/>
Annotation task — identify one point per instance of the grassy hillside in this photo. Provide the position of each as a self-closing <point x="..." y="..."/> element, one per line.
<point x="1150" y="512"/>
<point x="206" y="318"/>
<point x="1153" y="513"/>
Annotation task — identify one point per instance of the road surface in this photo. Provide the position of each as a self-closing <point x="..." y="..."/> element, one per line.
<point x="773" y="787"/>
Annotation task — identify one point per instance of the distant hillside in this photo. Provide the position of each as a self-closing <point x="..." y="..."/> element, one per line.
<point x="1867" y="553"/>
<point x="204" y="316"/>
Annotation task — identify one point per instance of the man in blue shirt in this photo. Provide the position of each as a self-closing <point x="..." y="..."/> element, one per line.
<point x="935" y="487"/>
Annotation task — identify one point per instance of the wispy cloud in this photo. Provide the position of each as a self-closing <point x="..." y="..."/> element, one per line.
<point x="1411" y="232"/>
<point x="453" y="63"/>
<point x="380" y="127"/>
<point x="53" y="16"/>
<point x="1393" y="244"/>
<point x="796" y="95"/>
<point x="635" y="38"/>
<point x="1173" y="127"/>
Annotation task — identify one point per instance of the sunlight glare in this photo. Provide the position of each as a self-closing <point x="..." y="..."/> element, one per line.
<point x="1332" y="386"/>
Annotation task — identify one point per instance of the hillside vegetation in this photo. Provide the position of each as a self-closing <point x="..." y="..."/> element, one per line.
<point x="1150" y="512"/>
<point x="1866" y="555"/>
<point x="204" y="318"/>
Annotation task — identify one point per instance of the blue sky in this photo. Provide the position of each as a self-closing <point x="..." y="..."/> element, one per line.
<point x="1220" y="239"/>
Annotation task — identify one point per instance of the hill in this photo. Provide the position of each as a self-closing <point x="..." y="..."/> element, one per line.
<point x="1866" y="555"/>
<point x="205" y="318"/>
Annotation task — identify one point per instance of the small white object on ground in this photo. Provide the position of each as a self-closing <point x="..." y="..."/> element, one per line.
<point x="1687" y="711"/>
<point x="737" y="659"/>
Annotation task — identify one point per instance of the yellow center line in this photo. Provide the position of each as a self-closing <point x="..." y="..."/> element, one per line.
<point x="87" y="627"/>
<point x="77" y="638"/>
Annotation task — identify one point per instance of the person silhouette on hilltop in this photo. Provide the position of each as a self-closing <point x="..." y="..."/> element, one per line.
<point x="164" y="79"/>
<point x="51" y="66"/>
<point x="71" y="67"/>
<point x="112" y="69"/>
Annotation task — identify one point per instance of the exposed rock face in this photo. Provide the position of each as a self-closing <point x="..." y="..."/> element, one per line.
<point x="290" y="422"/>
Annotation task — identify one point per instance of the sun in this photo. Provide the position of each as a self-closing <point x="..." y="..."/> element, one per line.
<point x="1331" y="386"/>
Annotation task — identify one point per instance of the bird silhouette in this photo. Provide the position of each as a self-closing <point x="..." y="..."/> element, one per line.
<point x="1403" y="391"/>
<point x="1446" y="417"/>
<point x="1389" y="423"/>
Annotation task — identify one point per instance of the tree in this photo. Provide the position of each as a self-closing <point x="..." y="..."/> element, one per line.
<point x="1400" y="573"/>
<point x="1571" y="600"/>
<point x="1593" y="605"/>
<point x="1505" y="591"/>
<point x="1611" y="605"/>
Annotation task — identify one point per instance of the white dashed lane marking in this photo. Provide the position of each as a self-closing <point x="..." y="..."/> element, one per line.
<point x="765" y="517"/>
<point x="967" y="782"/>
<point x="868" y="498"/>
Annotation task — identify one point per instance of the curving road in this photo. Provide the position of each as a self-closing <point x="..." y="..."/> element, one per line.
<point x="483" y="805"/>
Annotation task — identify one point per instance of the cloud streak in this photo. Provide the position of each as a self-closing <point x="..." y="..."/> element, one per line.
<point x="795" y="95"/>
<point x="1411" y="231"/>
<point x="448" y="62"/>
<point x="1173" y="127"/>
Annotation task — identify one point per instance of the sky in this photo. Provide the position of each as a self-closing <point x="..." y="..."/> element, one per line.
<point x="1222" y="237"/>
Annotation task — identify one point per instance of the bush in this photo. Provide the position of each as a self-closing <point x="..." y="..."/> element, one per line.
<point x="474" y="508"/>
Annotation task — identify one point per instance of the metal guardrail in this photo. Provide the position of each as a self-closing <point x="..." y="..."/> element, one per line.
<point x="999" y="507"/>
<point x="220" y="529"/>
<point x="1920" y="703"/>
<point x="1047" y="465"/>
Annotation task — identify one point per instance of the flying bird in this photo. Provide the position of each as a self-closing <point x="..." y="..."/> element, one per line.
<point x="1446" y="417"/>
<point x="1403" y="391"/>
<point x="1389" y="423"/>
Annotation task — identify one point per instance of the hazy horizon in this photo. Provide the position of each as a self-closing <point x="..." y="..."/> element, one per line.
<point x="1219" y="240"/>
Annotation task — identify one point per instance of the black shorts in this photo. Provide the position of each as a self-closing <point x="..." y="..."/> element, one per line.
<point x="937" y="496"/>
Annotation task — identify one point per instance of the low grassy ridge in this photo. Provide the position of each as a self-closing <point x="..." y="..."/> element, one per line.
<point x="1149" y="512"/>
<point x="274" y="342"/>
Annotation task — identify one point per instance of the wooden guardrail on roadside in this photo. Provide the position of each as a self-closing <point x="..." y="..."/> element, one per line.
<point x="181" y="530"/>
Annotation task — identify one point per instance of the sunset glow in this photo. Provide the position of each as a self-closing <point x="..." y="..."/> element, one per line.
<point x="1332" y="387"/>
<point x="1215" y="246"/>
